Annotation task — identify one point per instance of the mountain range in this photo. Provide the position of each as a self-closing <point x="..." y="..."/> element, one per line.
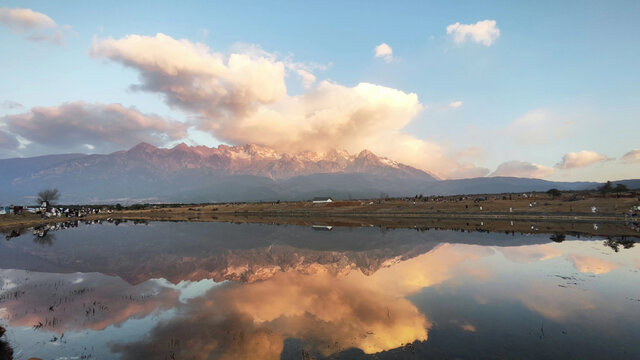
<point x="185" y="173"/>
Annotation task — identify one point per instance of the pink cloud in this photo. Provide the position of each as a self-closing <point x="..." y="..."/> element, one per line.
<point x="580" y="159"/>
<point x="102" y="127"/>
<point x="38" y="26"/>
<point x="242" y="98"/>
<point x="522" y="169"/>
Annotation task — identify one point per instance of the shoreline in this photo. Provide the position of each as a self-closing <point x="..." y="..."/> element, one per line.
<point x="585" y="225"/>
<point x="388" y="213"/>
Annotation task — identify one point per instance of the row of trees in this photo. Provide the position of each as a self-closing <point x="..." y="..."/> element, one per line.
<point x="605" y="189"/>
<point x="608" y="188"/>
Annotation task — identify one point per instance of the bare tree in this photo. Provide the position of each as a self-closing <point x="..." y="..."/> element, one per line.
<point x="48" y="195"/>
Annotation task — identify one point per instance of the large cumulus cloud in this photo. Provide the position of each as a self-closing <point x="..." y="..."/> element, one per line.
<point x="242" y="98"/>
<point x="79" y="126"/>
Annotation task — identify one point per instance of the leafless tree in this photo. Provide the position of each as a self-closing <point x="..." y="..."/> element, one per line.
<point x="48" y="195"/>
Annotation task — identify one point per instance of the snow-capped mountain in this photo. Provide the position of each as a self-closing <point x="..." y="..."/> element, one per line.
<point x="192" y="173"/>
<point x="249" y="159"/>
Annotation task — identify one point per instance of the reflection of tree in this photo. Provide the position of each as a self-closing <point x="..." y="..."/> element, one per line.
<point x="558" y="238"/>
<point x="47" y="238"/>
<point x="615" y="243"/>
<point x="6" y="352"/>
<point x="12" y="234"/>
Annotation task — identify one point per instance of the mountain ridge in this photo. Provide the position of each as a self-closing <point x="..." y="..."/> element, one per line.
<point x="250" y="172"/>
<point x="249" y="159"/>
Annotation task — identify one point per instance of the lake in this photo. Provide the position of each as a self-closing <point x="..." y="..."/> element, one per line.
<point x="207" y="290"/>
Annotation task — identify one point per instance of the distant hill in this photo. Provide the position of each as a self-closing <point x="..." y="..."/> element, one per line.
<point x="146" y="173"/>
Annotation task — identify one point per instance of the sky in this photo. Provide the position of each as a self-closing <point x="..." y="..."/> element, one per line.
<point x="461" y="89"/>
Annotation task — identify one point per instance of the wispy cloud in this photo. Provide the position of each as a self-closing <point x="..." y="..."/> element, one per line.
<point x="37" y="26"/>
<point x="483" y="32"/>
<point x="384" y="51"/>
<point x="11" y="105"/>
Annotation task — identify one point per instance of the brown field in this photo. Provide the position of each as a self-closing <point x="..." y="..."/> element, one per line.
<point x="548" y="215"/>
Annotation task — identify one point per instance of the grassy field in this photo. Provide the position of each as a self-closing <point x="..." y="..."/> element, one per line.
<point x="493" y="214"/>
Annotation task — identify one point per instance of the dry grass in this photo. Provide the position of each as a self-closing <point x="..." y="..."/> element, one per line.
<point x="609" y="209"/>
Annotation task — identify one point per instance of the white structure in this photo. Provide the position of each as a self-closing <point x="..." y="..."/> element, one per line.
<point x="322" y="227"/>
<point x="322" y="200"/>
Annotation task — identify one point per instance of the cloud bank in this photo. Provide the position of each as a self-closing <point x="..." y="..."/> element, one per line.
<point x="242" y="98"/>
<point x="37" y="26"/>
<point x="483" y="32"/>
<point x="101" y="127"/>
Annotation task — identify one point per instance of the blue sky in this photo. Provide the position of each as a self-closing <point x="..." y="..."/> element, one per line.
<point x="560" y="78"/>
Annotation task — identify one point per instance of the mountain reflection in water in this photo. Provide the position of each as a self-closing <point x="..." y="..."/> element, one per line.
<point x="227" y="291"/>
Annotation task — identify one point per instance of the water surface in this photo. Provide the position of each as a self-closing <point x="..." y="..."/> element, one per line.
<point x="225" y="291"/>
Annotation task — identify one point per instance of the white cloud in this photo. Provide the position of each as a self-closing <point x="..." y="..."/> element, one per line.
<point x="38" y="26"/>
<point x="308" y="79"/>
<point x="522" y="169"/>
<point x="242" y="98"/>
<point x="24" y="20"/>
<point x="483" y="32"/>
<point x="580" y="159"/>
<point x="384" y="51"/>
<point x="631" y="157"/>
<point x="455" y="104"/>
<point x="70" y="126"/>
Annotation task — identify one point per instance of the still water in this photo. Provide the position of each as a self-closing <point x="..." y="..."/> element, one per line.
<point x="228" y="291"/>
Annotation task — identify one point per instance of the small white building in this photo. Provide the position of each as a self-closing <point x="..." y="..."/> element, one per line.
<point x="322" y="200"/>
<point x="322" y="227"/>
